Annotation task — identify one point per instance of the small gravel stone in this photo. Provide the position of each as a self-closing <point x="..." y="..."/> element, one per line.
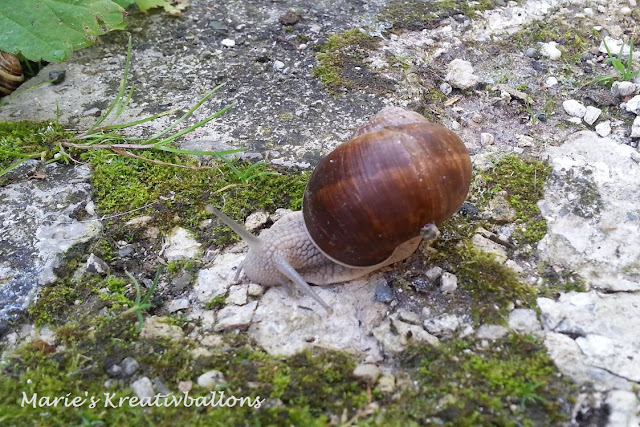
<point x="57" y="76"/>
<point x="622" y="89"/>
<point x="524" y="320"/>
<point x="384" y="293"/>
<point x="143" y="387"/>
<point x="228" y="43"/>
<point x="178" y="304"/>
<point x="542" y="117"/>
<point x="574" y="108"/>
<point x="491" y="332"/>
<point x="129" y="366"/>
<point x="434" y="273"/>
<point x="591" y="115"/>
<point x="255" y="290"/>
<point x="442" y="325"/>
<point x="408" y="316"/>
<point x="477" y="118"/>
<point x="448" y="283"/>
<point x="97" y="266"/>
<point x="182" y="281"/>
<point x="290" y="18"/>
<point x="211" y="379"/>
<point x="550" y="81"/>
<point x="237" y="295"/>
<point x="532" y="53"/>
<point x="446" y="88"/>
<point x="550" y="50"/>
<point x="603" y="129"/>
<point x="635" y="128"/>
<point x="256" y="220"/>
<point x="278" y="65"/>
<point x="633" y="105"/>
<point x="114" y="370"/>
<point x="367" y="372"/>
<point x="386" y="384"/>
<point x="487" y="138"/>
<point x="460" y="74"/>
<point x="126" y="250"/>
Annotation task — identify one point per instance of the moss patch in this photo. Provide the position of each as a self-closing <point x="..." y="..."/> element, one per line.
<point x="523" y="180"/>
<point x="512" y="382"/>
<point x="416" y="15"/>
<point x="341" y="63"/>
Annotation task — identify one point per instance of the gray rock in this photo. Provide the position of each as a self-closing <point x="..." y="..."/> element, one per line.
<point x="448" y="283"/>
<point x="443" y="325"/>
<point x="234" y="316"/>
<point x="408" y="316"/>
<point x="500" y="210"/>
<point x="594" y="185"/>
<point x="367" y="372"/>
<point x="491" y="332"/>
<point x="524" y="320"/>
<point x="434" y="273"/>
<point x="604" y="128"/>
<point x="256" y="220"/>
<point x="395" y="335"/>
<point x="591" y="115"/>
<point x="181" y="245"/>
<point x="550" y="50"/>
<point x="181" y="281"/>
<point x="255" y="290"/>
<point x="143" y="388"/>
<point x="237" y="295"/>
<point x="532" y="53"/>
<point x="484" y="244"/>
<point x="386" y="383"/>
<point x="96" y="266"/>
<point x="129" y="366"/>
<point x="614" y="46"/>
<point x="383" y="292"/>
<point x="38" y="227"/>
<point x="211" y="379"/>
<point x="460" y="74"/>
<point x="126" y="250"/>
<point x="156" y="327"/>
<point x="215" y="281"/>
<point x="635" y="128"/>
<point x="114" y="370"/>
<point x="624" y="408"/>
<point x="633" y="105"/>
<point x="622" y="89"/>
<point x="284" y="325"/>
<point x="574" y="108"/>
<point x="619" y="358"/>
<point x="178" y="304"/>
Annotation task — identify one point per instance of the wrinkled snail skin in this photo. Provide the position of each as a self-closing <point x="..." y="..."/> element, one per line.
<point x="10" y="73"/>
<point x="366" y="205"/>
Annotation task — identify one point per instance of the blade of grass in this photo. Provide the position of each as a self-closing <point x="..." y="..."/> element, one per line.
<point x="199" y="153"/>
<point x="121" y="90"/>
<point x="139" y="122"/>
<point x="195" y="126"/>
<point x="12" y="166"/>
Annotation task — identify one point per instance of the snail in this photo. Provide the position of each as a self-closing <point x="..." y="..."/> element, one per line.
<point x="10" y="73"/>
<point x="367" y="205"/>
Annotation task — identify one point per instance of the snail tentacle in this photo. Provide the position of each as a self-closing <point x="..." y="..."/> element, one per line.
<point x="288" y="271"/>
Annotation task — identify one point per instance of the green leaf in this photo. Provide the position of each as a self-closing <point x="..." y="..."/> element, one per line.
<point x="145" y="5"/>
<point x="50" y="30"/>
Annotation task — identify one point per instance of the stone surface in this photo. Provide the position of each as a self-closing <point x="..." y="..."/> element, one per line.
<point x="592" y="212"/>
<point x="574" y="108"/>
<point x="491" y="332"/>
<point x="237" y="295"/>
<point x="443" y="325"/>
<point x="460" y="74"/>
<point x="591" y="114"/>
<point x="367" y="372"/>
<point x="234" y="316"/>
<point x="156" y="327"/>
<point x="143" y="388"/>
<point x="37" y="228"/>
<point x="178" y="305"/>
<point x="524" y="320"/>
<point x="211" y="379"/>
<point x="181" y="245"/>
<point x="286" y="325"/>
<point x="215" y="281"/>
<point x="550" y="50"/>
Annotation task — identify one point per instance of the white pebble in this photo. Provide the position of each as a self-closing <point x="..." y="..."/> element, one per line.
<point x="210" y="379"/>
<point x="550" y="50"/>
<point x="624" y="10"/>
<point x="633" y="105"/>
<point x="486" y="138"/>
<point x="592" y="114"/>
<point x="448" y="283"/>
<point x="228" y="42"/>
<point x="635" y="128"/>
<point x="278" y="65"/>
<point x="367" y="372"/>
<point x="574" y="108"/>
<point x="622" y="89"/>
<point x="551" y="81"/>
<point x="604" y="129"/>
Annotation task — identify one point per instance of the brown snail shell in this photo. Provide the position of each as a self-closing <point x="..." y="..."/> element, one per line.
<point x="10" y="73"/>
<point x="398" y="173"/>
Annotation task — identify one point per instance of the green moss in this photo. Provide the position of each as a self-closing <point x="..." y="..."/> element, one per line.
<point x="572" y="41"/>
<point x="341" y="62"/>
<point x="417" y="15"/>
<point x="216" y="302"/>
<point x="24" y="140"/>
<point x="523" y="181"/>
<point x="461" y="383"/>
<point x="178" y="196"/>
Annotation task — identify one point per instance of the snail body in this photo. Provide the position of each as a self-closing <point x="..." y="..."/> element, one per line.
<point x="366" y="205"/>
<point x="10" y="73"/>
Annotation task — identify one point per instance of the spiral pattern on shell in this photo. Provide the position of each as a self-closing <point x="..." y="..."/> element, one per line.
<point x="398" y="173"/>
<point x="10" y="73"/>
